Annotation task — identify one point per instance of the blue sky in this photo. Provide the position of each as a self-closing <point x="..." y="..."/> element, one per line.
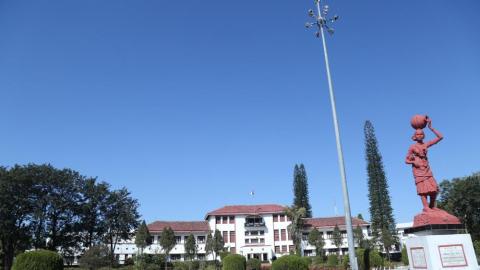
<point x="193" y="104"/>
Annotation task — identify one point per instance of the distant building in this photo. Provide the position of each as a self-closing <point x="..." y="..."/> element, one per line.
<point x="254" y="231"/>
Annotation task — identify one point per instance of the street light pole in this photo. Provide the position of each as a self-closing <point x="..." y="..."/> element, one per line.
<point x="321" y="22"/>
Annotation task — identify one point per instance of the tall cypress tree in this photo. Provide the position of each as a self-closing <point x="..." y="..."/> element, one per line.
<point x="300" y="189"/>
<point x="383" y="223"/>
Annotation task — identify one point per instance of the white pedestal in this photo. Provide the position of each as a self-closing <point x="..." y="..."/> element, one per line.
<point x="450" y="251"/>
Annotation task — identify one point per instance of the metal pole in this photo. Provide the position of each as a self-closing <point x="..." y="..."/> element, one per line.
<point x="346" y="201"/>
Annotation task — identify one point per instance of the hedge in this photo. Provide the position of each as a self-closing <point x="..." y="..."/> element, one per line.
<point x="254" y="264"/>
<point x="234" y="262"/>
<point x="290" y="262"/>
<point x="38" y="260"/>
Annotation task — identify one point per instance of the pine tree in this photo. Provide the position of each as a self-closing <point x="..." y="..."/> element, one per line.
<point x="337" y="238"/>
<point x="167" y="242"/>
<point x="300" y="189"/>
<point x="383" y="223"/>
<point x="190" y="247"/>
<point x="143" y="237"/>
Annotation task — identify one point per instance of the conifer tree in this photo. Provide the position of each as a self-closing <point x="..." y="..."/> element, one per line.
<point x="190" y="247"/>
<point x="300" y="189"/>
<point x="383" y="223"/>
<point x="315" y="238"/>
<point x="337" y="238"/>
<point x="167" y="242"/>
<point x="143" y="237"/>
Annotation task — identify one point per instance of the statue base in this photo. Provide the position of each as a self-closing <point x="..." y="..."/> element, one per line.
<point x="434" y="217"/>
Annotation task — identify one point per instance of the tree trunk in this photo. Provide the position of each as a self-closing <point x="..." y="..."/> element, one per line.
<point x="9" y="254"/>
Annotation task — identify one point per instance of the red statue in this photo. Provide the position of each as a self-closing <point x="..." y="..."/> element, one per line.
<point x="417" y="156"/>
<point x="426" y="184"/>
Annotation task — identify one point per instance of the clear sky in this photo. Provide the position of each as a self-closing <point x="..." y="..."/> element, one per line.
<point x="193" y="104"/>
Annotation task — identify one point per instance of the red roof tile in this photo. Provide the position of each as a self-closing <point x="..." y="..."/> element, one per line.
<point x="247" y="209"/>
<point x="179" y="226"/>
<point x="332" y="221"/>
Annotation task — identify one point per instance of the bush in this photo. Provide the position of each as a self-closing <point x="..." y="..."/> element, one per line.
<point x="376" y="259"/>
<point x="404" y="256"/>
<point x="234" y="262"/>
<point x="128" y="261"/>
<point x="318" y="260"/>
<point x="38" y="260"/>
<point x="180" y="266"/>
<point x="95" y="258"/>
<point x="363" y="258"/>
<point x="290" y="262"/>
<point x="254" y="264"/>
<point x="476" y="246"/>
<point x="345" y="261"/>
<point x="332" y="260"/>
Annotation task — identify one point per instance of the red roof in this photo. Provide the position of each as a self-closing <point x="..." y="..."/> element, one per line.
<point x="332" y="221"/>
<point x="247" y="209"/>
<point x="179" y="226"/>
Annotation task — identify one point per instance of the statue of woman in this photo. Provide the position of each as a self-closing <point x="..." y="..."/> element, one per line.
<point x="417" y="156"/>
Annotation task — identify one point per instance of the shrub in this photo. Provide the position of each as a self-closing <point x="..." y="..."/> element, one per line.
<point x="404" y="256"/>
<point x="254" y="264"/>
<point x="95" y="257"/>
<point x="128" y="261"/>
<point x="180" y="266"/>
<point x="290" y="262"/>
<point x="376" y="259"/>
<point x="234" y="262"/>
<point x="318" y="260"/>
<point x="332" y="260"/>
<point x="38" y="260"/>
<point x="345" y="261"/>
<point x="476" y="246"/>
<point x="363" y="258"/>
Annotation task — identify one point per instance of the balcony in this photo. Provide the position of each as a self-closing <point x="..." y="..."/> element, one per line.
<point x="254" y="221"/>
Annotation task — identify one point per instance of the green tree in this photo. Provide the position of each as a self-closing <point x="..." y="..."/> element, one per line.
<point x="167" y="242"/>
<point x="404" y="256"/>
<point x="209" y="245"/>
<point x="358" y="236"/>
<point x="93" y="207"/>
<point x="315" y="238"/>
<point x="218" y="244"/>
<point x="143" y="238"/>
<point x="296" y="215"/>
<point x="191" y="247"/>
<point x="461" y="197"/>
<point x="300" y="190"/>
<point x="16" y="208"/>
<point x="121" y="218"/>
<point x="359" y="216"/>
<point x="381" y="213"/>
<point x="337" y="238"/>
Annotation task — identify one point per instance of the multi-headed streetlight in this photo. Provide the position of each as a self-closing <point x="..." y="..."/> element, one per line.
<point x="322" y="23"/>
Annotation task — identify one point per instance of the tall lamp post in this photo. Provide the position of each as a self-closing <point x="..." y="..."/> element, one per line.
<point x="321" y="22"/>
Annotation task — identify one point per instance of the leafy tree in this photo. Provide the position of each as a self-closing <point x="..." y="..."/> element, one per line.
<point x="383" y="223"/>
<point x="121" y="218"/>
<point x="461" y="197"/>
<point x="191" y="247"/>
<point x="38" y="259"/>
<point x="167" y="242"/>
<point x="93" y="207"/>
<point x="234" y="262"/>
<point x="209" y="245"/>
<point x="295" y="228"/>
<point x="16" y="208"/>
<point x="95" y="257"/>
<point x="300" y="190"/>
<point x="143" y="238"/>
<point x="315" y="238"/>
<point x="337" y="238"/>
<point x="359" y="216"/>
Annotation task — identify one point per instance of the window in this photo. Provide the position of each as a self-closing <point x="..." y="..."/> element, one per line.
<point x="305" y="236"/>
<point x="308" y="253"/>
<point x="282" y="218"/>
<point x="233" y="250"/>
<point x="253" y="232"/>
<point x="284" y="249"/>
<point x="231" y="219"/>
<point x="201" y="257"/>
<point x="254" y="221"/>
<point x="329" y="235"/>
<point x="225" y="220"/>
<point x="277" y="249"/>
<point x="247" y="241"/>
<point x="225" y="236"/>
<point x="262" y="240"/>
<point x="284" y="234"/>
<point x="175" y="257"/>
<point x="232" y="236"/>
<point x="178" y="239"/>
<point x="291" y="248"/>
<point x="288" y="218"/>
<point x="275" y="218"/>
<point x="185" y="238"/>
<point x="254" y="241"/>
<point x="275" y="235"/>
<point x="200" y="239"/>
<point x="218" y="220"/>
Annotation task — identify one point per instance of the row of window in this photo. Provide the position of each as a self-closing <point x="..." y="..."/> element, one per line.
<point x="283" y="249"/>
<point x="280" y="218"/>
<point x="249" y="233"/>
<point x="255" y="241"/>
<point x="224" y="219"/>
<point x="178" y="239"/>
<point x="281" y="235"/>
<point x="227" y="239"/>
<point x="328" y="235"/>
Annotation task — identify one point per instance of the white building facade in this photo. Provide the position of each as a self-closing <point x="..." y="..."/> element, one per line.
<point x="254" y="231"/>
